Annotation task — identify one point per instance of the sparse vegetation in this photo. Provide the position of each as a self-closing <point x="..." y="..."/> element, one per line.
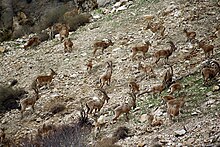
<point x="55" y="123"/>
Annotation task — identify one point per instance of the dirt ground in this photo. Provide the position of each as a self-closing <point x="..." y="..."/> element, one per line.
<point x="74" y="85"/>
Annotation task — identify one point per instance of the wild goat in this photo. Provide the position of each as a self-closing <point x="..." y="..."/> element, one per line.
<point x="2" y="135"/>
<point x="102" y="45"/>
<point x="147" y="69"/>
<point x="154" y="121"/>
<point x="209" y="73"/>
<point x="168" y="77"/>
<point x="95" y="104"/>
<point x="156" y="27"/>
<point x="167" y="98"/>
<point x="189" y="35"/>
<point x="126" y="107"/>
<point x="134" y="87"/>
<point x="142" y="48"/>
<point x="60" y="28"/>
<point x="68" y="45"/>
<point x="43" y="80"/>
<point x="106" y="77"/>
<point x="89" y="65"/>
<point x="175" y="87"/>
<point x="173" y="107"/>
<point x="29" y="101"/>
<point x="165" y="53"/>
<point x="33" y="41"/>
<point x="64" y="32"/>
<point x="155" y="89"/>
<point x="208" y="49"/>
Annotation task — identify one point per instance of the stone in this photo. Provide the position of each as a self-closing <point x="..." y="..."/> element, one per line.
<point x="215" y="88"/>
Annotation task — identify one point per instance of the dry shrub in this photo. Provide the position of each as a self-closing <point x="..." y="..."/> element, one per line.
<point x="73" y="134"/>
<point x="78" y="20"/>
<point x="52" y="16"/>
<point x="5" y="34"/>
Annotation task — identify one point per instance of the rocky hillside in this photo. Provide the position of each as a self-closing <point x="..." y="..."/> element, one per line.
<point x="126" y="25"/>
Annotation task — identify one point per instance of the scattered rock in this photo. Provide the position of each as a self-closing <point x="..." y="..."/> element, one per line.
<point x="179" y="133"/>
<point x="215" y="88"/>
<point x="144" y="118"/>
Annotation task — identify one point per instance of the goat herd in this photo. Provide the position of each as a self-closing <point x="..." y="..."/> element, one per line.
<point x="209" y="71"/>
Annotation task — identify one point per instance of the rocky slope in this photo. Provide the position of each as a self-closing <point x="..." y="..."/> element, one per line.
<point x="74" y="85"/>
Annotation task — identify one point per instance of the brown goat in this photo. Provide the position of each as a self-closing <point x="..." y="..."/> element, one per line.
<point x="101" y="45"/>
<point x="209" y="73"/>
<point x="125" y="107"/>
<point x="29" y="101"/>
<point x="95" y="104"/>
<point x="89" y="65"/>
<point x="175" y="87"/>
<point x="64" y="32"/>
<point x="167" y="98"/>
<point x="165" y="53"/>
<point x="68" y="45"/>
<point x="33" y="41"/>
<point x="190" y="35"/>
<point x="168" y="77"/>
<point x="142" y="48"/>
<point x="147" y="69"/>
<point x="208" y="49"/>
<point x="134" y="87"/>
<point x="157" y="88"/>
<point x="106" y="77"/>
<point x="173" y="107"/>
<point x="44" y="80"/>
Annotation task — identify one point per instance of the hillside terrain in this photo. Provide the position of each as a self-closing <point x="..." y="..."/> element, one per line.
<point x="198" y="121"/>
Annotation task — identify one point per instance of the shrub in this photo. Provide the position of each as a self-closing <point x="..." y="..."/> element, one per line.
<point x="78" y="20"/>
<point x="73" y="134"/>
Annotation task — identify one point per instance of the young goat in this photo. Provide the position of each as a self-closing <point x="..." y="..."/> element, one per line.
<point x="134" y="87"/>
<point x="143" y="48"/>
<point x="126" y="107"/>
<point x="189" y="35"/>
<point x="89" y="65"/>
<point x="68" y="45"/>
<point x="106" y="77"/>
<point x="44" y="80"/>
<point x="33" y="41"/>
<point x="168" y="77"/>
<point x="175" y="87"/>
<point x="30" y="101"/>
<point x="165" y="53"/>
<point x="146" y="69"/>
<point x="95" y="104"/>
<point x="208" y="49"/>
<point x="102" y="45"/>
<point x="64" y="32"/>
<point x="173" y="107"/>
